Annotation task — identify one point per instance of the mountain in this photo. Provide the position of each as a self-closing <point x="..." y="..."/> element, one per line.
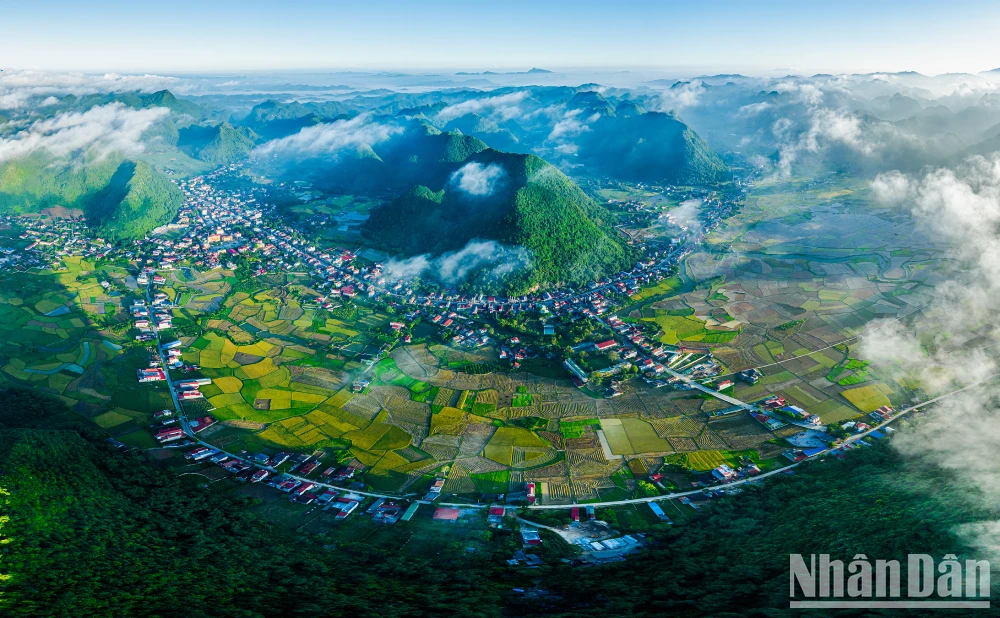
<point x="273" y="120"/>
<point x="136" y="200"/>
<point x="653" y="147"/>
<point x="121" y="198"/>
<point x="533" y="206"/>
<point x="417" y="153"/>
<point x="487" y="130"/>
<point x="30" y="184"/>
<point x="219" y="144"/>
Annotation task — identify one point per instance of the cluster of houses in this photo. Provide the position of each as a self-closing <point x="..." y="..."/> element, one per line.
<point x="49" y="239"/>
<point x="171" y="433"/>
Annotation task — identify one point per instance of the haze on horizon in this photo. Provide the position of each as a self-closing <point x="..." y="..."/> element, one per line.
<point x="756" y="39"/>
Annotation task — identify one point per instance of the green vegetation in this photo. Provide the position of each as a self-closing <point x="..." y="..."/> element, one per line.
<point x="651" y="147"/>
<point x="136" y="200"/>
<point x="122" y="199"/>
<point x="536" y="207"/>
<point x="220" y="144"/>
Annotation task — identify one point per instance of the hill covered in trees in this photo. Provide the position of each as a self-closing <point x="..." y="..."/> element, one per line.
<point x="219" y="144"/>
<point x="88" y="530"/>
<point x="517" y="200"/>
<point x="121" y="198"/>
<point x="654" y="147"/>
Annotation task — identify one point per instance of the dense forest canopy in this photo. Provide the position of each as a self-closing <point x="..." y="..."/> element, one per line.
<point x="90" y="530"/>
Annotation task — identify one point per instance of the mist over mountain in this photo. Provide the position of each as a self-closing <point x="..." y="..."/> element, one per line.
<point x="516" y="200"/>
<point x="386" y="142"/>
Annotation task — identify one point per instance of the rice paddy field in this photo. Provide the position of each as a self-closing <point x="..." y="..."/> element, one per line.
<point x="812" y="265"/>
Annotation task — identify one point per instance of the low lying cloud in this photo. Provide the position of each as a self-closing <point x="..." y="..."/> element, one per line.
<point x="329" y="138"/>
<point x="17" y="87"/>
<point x="962" y="431"/>
<point x="680" y="96"/>
<point x="478" y="179"/>
<point x="754" y="109"/>
<point x="503" y="107"/>
<point x="482" y="260"/>
<point x="96" y="132"/>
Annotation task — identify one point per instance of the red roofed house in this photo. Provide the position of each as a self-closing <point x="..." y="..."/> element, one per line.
<point x="606" y="345"/>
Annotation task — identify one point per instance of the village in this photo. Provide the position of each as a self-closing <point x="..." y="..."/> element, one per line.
<point x="237" y="230"/>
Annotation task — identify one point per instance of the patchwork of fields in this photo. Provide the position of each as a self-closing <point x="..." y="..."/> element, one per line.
<point x="803" y="279"/>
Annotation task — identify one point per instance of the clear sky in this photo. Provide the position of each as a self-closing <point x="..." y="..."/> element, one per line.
<point x="762" y="35"/>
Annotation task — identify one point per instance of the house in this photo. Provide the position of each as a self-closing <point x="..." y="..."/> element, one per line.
<point x="530" y="536"/>
<point x="605" y="345"/>
<point x="204" y="422"/>
<point x="410" y="511"/>
<point x="658" y="512"/>
<point x="495" y="515"/>
<point x="169" y="435"/>
<point x="347" y="509"/>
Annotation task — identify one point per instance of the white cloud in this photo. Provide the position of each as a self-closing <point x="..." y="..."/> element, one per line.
<point x="503" y="107"/>
<point x="478" y="179"/>
<point x="484" y="259"/>
<point x="677" y="97"/>
<point x="98" y="131"/>
<point x="958" y="433"/>
<point x="328" y="138"/>
<point x="754" y="109"/>
<point x="17" y="87"/>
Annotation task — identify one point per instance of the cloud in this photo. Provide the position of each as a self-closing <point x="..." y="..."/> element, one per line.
<point x="483" y="260"/>
<point x="754" y="109"/>
<point x="478" y="179"/>
<point x="329" y="138"/>
<point x="17" y="87"/>
<point x="98" y="132"/>
<point x="679" y="96"/>
<point x="503" y="107"/>
<point x="958" y="433"/>
<point x="571" y="125"/>
<point x="891" y="187"/>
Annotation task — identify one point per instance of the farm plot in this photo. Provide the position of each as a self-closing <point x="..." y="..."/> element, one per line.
<point x="631" y="436"/>
<point x="868" y="398"/>
<point x="501" y="447"/>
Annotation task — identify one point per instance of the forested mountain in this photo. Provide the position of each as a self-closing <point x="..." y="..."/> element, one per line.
<point x="273" y="120"/>
<point x="415" y="153"/>
<point x="121" y="198"/>
<point x="219" y="144"/>
<point x="96" y="533"/>
<point x="90" y="531"/>
<point x="656" y="147"/>
<point x="526" y="203"/>
<point x="487" y="130"/>
<point x="136" y="199"/>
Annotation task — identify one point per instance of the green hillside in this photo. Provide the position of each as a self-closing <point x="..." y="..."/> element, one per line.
<point x="650" y="147"/>
<point x="534" y="206"/>
<point x="90" y="531"/>
<point x="273" y="119"/>
<point x="122" y="199"/>
<point x="418" y="154"/>
<point x="136" y="200"/>
<point x="487" y="130"/>
<point x="29" y="184"/>
<point x="220" y="144"/>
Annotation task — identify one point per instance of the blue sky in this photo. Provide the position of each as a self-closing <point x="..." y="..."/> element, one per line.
<point x="762" y="36"/>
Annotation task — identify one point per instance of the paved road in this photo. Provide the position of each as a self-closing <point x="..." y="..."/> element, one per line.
<point x="714" y="393"/>
<point x="754" y="479"/>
